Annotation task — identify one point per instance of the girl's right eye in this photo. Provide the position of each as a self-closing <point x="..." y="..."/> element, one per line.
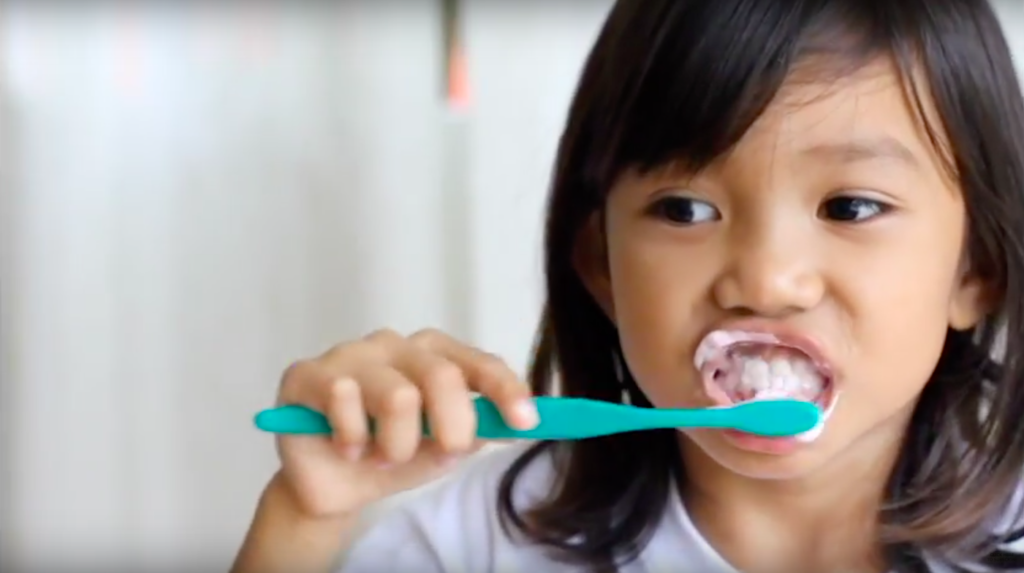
<point x="684" y="210"/>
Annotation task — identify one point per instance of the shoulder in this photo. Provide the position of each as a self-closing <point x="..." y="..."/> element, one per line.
<point x="451" y="525"/>
<point x="1007" y="529"/>
<point x="1011" y="526"/>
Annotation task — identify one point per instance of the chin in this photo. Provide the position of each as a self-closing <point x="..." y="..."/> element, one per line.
<point x="753" y="457"/>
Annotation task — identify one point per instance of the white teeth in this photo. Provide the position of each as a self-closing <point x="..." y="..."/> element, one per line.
<point x="772" y="394"/>
<point x="779" y="376"/>
<point x="804" y="369"/>
<point x="781" y="369"/>
<point x="756" y="369"/>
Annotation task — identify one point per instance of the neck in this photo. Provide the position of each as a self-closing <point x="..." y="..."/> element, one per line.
<point x="824" y="519"/>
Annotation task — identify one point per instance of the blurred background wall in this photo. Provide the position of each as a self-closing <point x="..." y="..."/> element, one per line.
<point x="193" y="197"/>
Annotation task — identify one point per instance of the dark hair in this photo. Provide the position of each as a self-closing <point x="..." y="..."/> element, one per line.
<point x="683" y="80"/>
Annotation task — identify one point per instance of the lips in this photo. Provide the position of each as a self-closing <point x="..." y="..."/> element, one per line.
<point x="716" y="356"/>
<point x="718" y="341"/>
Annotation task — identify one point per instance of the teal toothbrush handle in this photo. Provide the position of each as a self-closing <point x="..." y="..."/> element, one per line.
<point x="577" y="418"/>
<point x="302" y="420"/>
<point x="292" y="420"/>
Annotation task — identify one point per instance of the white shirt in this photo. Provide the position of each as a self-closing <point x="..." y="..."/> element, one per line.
<point x="453" y="527"/>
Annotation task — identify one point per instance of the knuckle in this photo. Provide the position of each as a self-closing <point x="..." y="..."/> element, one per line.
<point x="340" y="349"/>
<point x="427" y="337"/>
<point x="493" y="366"/>
<point x="385" y="336"/>
<point x="403" y="400"/>
<point x="295" y="370"/>
<point x="511" y="392"/>
<point x="343" y="390"/>
<point x="294" y="379"/>
<point x="443" y="376"/>
<point x="366" y="349"/>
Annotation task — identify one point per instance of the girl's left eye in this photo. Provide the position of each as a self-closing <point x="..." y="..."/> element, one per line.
<point x="684" y="210"/>
<point x="849" y="209"/>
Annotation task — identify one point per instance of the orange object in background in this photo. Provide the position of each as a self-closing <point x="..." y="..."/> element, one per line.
<point x="458" y="78"/>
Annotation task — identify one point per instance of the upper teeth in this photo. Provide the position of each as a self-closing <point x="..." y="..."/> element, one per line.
<point x="715" y="342"/>
<point x="778" y="375"/>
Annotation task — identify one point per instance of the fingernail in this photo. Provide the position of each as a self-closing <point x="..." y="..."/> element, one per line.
<point x="527" y="415"/>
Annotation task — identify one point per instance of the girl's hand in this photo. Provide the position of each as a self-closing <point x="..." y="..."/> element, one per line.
<point x="394" y="380"/>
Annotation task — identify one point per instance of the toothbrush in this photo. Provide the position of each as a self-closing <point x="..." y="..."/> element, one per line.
<point x="580" y="418"/>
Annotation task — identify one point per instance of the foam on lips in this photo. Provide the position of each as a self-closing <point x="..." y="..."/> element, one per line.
<point x="739" y="366"/>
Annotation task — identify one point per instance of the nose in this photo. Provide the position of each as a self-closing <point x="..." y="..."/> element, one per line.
<point x="770" y="275"/>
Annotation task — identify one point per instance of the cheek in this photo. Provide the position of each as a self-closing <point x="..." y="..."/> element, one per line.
<point x="896" y="312"/>
<point x="658" y="292"/>
<point x="897" y="352"/>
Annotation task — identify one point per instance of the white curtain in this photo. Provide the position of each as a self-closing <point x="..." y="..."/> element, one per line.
<point x="193" y="197"/>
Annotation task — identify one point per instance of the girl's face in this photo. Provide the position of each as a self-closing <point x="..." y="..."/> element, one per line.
<point x="832" y="222"/>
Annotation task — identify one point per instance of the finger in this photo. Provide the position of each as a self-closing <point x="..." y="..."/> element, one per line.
<point x="378" y="347"/>
<point x="446" y="398"/>
<point x="309" y="383"/>
<point x="304" y="383"/>
<point x="495" y="380"/>
<point x="488" y="375"/>
<point x="348" y="418"/>
<point x="394" y="403"/>
<point x="326" y="385"/>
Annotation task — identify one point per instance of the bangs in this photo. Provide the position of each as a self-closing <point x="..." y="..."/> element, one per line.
<point x="709" y="70"/>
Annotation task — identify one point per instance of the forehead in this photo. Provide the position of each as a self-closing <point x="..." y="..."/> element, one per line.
<point x="864" y="116"/>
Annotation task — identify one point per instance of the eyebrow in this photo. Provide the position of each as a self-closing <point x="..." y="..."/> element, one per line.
<point x="865" y="150"/>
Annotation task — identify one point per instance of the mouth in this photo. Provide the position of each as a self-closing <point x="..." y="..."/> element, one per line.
<point x="742" y="366"/>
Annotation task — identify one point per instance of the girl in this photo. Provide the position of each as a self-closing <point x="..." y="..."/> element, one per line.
<point x="821" y="199"/>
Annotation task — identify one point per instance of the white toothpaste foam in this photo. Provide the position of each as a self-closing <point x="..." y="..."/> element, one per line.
<point x="815" y="432"/>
